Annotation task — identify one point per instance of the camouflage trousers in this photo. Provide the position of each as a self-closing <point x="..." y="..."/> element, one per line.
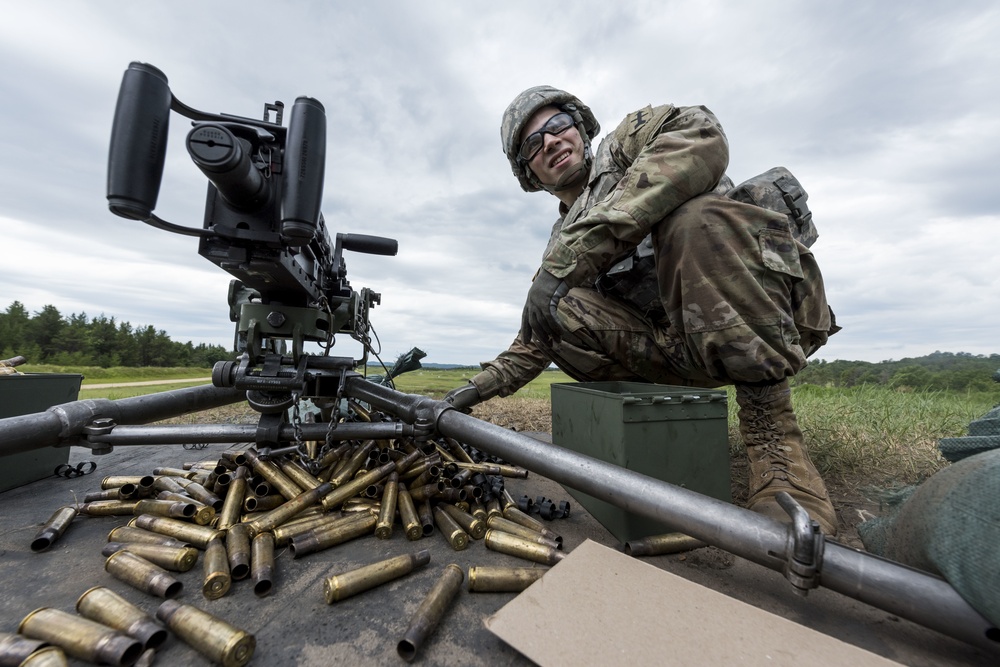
<point x="744" y="303"/>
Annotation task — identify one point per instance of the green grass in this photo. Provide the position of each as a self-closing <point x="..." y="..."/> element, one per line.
<point x="437" y="382"/>
<point x="117" y="374"/>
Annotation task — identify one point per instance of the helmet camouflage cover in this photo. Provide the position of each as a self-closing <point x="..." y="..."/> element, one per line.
<point x="521" y="110"/>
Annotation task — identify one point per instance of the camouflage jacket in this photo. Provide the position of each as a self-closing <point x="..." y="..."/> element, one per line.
<point x="654" y="161"/>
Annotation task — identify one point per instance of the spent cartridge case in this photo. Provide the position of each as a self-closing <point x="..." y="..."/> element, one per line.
<point x="238" y="457"/>
<point x="167" y="471"/>
<point x="426" y="491"/>
<point x="133" y="534"/>
<point x="53" y="529"/>
<point x="356" y="504"/>
<point x="217" y="579"/>
<point x="117" y="481"/>
<point x="658" y="545"/>
<point x="430" y="612"/>
<point x="194" y="534"/>
<point x="295" y="472"/>
<point x="507" y="526"/>
<point x="408" y="514"/>
<point x="318" y="539"/>
<point x="263" y="503"/>
<point x="262" y="564"/>
<point x="212" y="637"/>
<point x="346" y="584"/>
<point x="333" y="500"/>
<point x="108" y="508"/>
<point x="270" y="472"/>
<point x="503" y="579"/>
<point x="128" y="491"/>
<point x="106" y="494"/>
<point x="283" y="534"/>
<point x="50" y="656"/>
<point x="80" y="637"/>
<point x="167" y="484"/>
<point x="238" y="551"/>
<point x="14" y="648"/>
<point x="232" y="504"/>
<point x="426" y="515"/>
<point x="203" y="495"/>
<point x="453" y="533"/>
<point x="478" y="510"/>
<point x="517" y="516"/>
<point x="456" y="448"/>
<point x="168" y="508"/>
<point x="387" y="511"/>
<point x="351" y="465"/>
<point x="493" y="507"/>
<point x="104" y="606"/>
<point x="139" y="573"/>
<point x="174" y="559"/>
<point x="514" y="545"/>
<point x="283" y="513"/>
<point x="470" y="524"/>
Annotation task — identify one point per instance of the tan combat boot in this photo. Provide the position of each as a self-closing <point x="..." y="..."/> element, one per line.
<point x="778" y="459"/>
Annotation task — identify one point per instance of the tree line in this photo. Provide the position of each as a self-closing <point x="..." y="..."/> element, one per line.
<point x="48" y="337"/>
<point x="940" y="370"/>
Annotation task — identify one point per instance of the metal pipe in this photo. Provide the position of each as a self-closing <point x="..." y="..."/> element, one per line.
<point x="181" y="434"/>
<point x="917" y="596"/>
<point x="61" y="425"/>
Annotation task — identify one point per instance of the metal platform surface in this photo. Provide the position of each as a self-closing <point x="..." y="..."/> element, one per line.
<point x="294" y="625"/>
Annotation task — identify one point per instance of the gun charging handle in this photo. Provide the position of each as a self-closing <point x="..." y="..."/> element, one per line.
<point x="138" y="142"/>
<point x="305" y="162"/>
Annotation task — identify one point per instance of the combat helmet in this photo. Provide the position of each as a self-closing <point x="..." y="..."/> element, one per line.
<point x="520" y="111"/>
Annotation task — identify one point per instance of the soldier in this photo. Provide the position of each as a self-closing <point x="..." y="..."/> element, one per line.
<point x="719" y="293"/>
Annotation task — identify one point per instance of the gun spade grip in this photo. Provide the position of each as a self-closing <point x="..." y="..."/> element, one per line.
<point x="138" y="142"/>
<point x="305" y="161"/>
<point x="372" y="245"/>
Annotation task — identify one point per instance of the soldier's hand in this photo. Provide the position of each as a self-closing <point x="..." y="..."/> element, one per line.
<point x="464" y="397"/>
<point x="539" y="317"/>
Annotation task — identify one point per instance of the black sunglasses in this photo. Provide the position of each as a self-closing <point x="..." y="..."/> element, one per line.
<point x="533" y="143"/>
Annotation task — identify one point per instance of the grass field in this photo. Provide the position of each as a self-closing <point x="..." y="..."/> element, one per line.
<point x="861" y="436"/>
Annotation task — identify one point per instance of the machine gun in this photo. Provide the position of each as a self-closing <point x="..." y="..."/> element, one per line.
<point x="263" y="225"/>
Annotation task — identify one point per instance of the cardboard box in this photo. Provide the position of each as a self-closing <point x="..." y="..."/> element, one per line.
<point x="676" y="434"/>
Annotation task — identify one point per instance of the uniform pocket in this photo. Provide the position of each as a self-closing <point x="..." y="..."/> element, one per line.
<point x="779" y="252"/>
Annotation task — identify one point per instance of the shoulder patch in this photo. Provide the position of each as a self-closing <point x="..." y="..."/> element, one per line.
<point x="637" y="120"/>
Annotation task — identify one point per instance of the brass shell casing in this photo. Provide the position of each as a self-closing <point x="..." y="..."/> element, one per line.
<point x="336" y="498"/>
<point x="169" y="508"/>
<point x="262" y="563"/>
<point x="517" y="516"/>
<point x="503" y="579"/>
<point x="53" y="528"/>
<point x="277" y="479"/>
<point x="514" y="545"/>
<point x="217" y="579"/>
<point x="284" y="533"/>
<point x="263" y="503"/>
<point x="283" y="513"/>
<point x="658" y="545"/>
<point x="175" y="559"/>
<point x="344" y="585"/>
<point x="212" y="637"/>
<point x="323" y="538"/>
<point x="232" y="504"/>
<point x="194" y="534"/>
<point x="387" y="511"/>
<point x="298" y="474"/>
<point x="470" y="524"/>
<point x="507" y="526"/>
<point x="117" y="481"/>
<point x="102" y="605"/>
<point x="108" y="508"/>
<point x="456" y="536"/>
<point x="408" y="514"/>
<point x="80" y="637"/>
<point x="131" y="534"/>
<point x="50" y="656"/>
<point x="238" y="551"/>
<point x="139" y="573"/>
<point x="430" y="611"/>
<point x="14" y="648"/>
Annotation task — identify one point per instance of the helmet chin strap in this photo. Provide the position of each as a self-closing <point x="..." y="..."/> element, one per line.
<point x="570" y="179"/>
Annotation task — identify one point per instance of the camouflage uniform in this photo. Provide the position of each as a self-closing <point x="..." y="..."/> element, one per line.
<point x="741" y="301"/>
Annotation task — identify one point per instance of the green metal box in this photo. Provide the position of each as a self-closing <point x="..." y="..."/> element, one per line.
<point x="26" y="394"/>
<point x="676" y="434"/>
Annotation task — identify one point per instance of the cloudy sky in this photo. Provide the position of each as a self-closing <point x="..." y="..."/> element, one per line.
<point x="887" y="113"/>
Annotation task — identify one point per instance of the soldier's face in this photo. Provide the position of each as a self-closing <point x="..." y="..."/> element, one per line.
<point x="561" y="154"/>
